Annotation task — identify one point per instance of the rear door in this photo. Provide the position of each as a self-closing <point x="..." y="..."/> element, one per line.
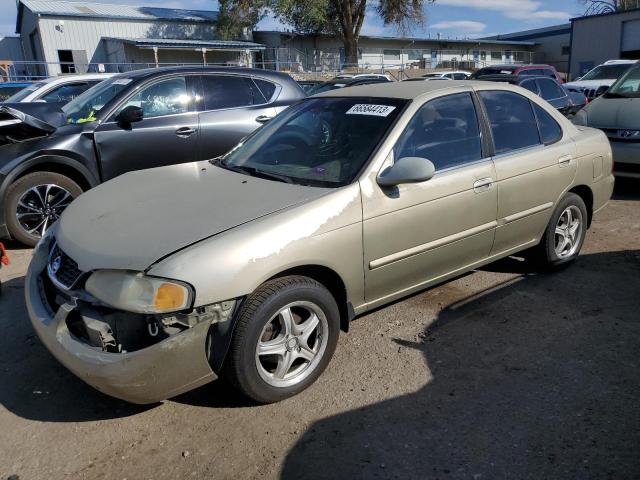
<point x="231" y="107"/>
<point x="534" y="165"/>
<point x="167" y="134"/>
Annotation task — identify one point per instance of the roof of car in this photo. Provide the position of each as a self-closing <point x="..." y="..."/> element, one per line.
<point x="77" y="77"/>
<point x="405" y="90"/>
<point x="150" y="72"/>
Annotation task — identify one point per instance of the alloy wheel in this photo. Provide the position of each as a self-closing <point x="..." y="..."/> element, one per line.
<point x="292" y="344"/>
<point x="40" y="206"/>
<point x="568" y="232"/>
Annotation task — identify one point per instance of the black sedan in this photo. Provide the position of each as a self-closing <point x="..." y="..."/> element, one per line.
<point x="143" y="119"/>
<point x="548" y="88"/>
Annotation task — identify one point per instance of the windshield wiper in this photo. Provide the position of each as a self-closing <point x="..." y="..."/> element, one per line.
<point x="254" y="172"/>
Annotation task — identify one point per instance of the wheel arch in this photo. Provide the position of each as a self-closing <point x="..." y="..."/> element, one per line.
<point x="586" y="194"/>
<point x="332" y="281"/>
<point x="56" y="164"/>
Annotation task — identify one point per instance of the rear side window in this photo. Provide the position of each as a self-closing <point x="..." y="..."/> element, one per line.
<point x="445" y="131"/>
<point x="550" y="130"/>
<point x="512" y="121"/>
<point x="530" y="85"/>
<point x="550" y="90"/>
<point x="221" y="91"/>
<point x="267" y="88"/>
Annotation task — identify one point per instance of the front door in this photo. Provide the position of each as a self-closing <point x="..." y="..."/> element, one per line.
<point x="534" y="165"/>
<point x="168" y="133"/>
<point x="417" y="233"/>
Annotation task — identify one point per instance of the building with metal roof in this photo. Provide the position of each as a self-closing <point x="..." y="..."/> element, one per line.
<point x="67" y="36"/>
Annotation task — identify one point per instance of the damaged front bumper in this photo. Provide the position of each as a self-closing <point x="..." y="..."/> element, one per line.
<point x="162" y="370"/>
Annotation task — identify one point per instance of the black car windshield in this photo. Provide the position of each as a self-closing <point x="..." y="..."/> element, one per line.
<point x="628" y="86"/>
<point x="607" y="72"/>
<point x="501" y="70"/>
<point x="319" y="142"/>
<point x="327" y="87"/>
<point x="86" y="107"/>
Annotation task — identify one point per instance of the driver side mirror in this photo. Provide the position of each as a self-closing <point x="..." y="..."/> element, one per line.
<point x="407" y="170"/>
<point x="129" y="115"/>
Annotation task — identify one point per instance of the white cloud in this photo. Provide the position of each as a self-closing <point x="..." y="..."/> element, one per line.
<point x="461" y="26"/>
<point x="520" y="10"/>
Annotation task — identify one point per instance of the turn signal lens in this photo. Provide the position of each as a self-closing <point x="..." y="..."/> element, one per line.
<point x="169" y="296"/>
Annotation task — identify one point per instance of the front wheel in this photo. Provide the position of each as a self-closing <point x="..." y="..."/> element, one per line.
<point x="34" y="202"/>
<point x="565" y="234"/>
<point x="285" y="337"/>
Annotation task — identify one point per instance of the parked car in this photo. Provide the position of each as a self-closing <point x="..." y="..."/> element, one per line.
<point x="248" y="266"/>
<point x="336" y="84"/>
<point x="7" y="89"/>
<point x="425" y="79"/>
<point x="307" y="85"/>
<point x="617" y="113"/>
<point x="452" y="75"/>
<point x="368" y="76"/>
<point x="547" y="88"/>
<point x="517" y="69"/>
<point x="598" y="80"/>
<point x="132" y="121"/>
<point x="60" y="89"/>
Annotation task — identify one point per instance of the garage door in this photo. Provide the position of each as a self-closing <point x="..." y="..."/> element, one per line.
<point x="631" y="36"/>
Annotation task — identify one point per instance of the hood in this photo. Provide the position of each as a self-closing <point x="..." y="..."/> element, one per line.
<point x="138" y="218"/>
<point x="590" y="83"/>
<point x="606" y="112"/>
<point x="23" y="121"/>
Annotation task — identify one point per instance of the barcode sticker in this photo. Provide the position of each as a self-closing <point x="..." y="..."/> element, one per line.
<point x="367" y="109"/>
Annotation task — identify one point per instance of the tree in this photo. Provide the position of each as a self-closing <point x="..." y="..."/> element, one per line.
<point x="595" y="7"/>
<point x="343" y="18"/>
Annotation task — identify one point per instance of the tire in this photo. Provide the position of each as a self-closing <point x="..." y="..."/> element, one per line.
<point x="270" y="377"/>
<point x="31" y="191"/>
<point x="552" y="253"/>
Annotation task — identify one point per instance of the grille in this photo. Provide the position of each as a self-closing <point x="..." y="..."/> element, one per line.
<point x="62" y="269"/>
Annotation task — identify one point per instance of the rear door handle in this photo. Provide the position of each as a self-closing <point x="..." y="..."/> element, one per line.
<point x="185" y="131"/>
<point x="263" y="119"/>
<point x="483" y="185"/>
<point x="565" y="160"/>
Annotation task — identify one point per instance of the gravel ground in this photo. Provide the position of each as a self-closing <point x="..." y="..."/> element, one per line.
<point x="500" y="374"/>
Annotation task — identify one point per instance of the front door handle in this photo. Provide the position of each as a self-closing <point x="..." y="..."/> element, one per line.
<point x="483" y="185"/>
<point x="263" y="119"/>
<point x="185" y="131"/>
<point x="565" y="160"/>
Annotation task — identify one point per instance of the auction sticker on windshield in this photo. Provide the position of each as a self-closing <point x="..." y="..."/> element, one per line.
<point x="367" y="109"/>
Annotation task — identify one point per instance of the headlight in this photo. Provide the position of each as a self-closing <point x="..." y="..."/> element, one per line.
<point x="136" y="292"/>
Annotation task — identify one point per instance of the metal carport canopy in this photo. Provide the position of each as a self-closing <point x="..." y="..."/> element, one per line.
<point x="173" y="44"/>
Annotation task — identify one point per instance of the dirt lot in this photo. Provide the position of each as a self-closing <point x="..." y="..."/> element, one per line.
<point x="500" y="374"/>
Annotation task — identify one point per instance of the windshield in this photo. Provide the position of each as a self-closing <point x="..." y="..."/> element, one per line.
<point x="85" y="107"/>
<point x="607" y="72"/>
<point x="319" y="142"/>
<point x="22" y="94"/>
<point x="628" y="86"/>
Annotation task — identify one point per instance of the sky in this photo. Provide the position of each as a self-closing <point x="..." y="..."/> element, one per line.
<point x="451" y="18"/>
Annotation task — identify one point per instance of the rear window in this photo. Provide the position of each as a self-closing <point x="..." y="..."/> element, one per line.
<point x="226" y="91"/>
<point x="267" y="88"/>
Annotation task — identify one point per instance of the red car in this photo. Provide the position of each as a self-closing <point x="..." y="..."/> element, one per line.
<point x="520" y="70"/>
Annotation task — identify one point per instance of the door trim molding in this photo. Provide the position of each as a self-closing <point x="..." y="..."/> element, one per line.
<point x="525" y="213"/>
<point x="425" y="247"/>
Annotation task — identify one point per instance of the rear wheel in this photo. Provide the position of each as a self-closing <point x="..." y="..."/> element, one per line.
<point x="34" y="202"/>
<point x="286" y="334"/>
<point x="565" y="234"/>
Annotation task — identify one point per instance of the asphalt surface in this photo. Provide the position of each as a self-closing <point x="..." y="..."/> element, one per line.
<point x="502" y="374"/>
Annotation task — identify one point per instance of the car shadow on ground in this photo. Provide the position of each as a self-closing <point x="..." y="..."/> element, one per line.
<point x="536" y="378"/>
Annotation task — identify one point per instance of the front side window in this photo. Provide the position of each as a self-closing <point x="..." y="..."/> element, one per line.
<point x="318" y="142"/>
<point x="225" y="91"/>
<point x="550" y="130"/>
<point x="444" y="131"/>
<point x="166" y="97"/>
<point x="512" y="121"/>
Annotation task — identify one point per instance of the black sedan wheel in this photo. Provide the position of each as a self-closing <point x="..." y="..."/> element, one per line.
<point x="34" y="202"/>
<point x="285" y="337"/>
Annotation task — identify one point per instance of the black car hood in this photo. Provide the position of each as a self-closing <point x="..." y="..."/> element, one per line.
<point x="23" y="121"/>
